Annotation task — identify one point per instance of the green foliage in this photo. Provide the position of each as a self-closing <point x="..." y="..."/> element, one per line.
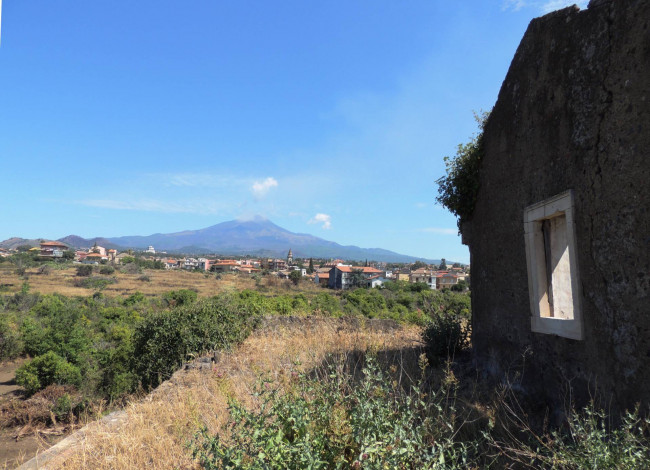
<point x="295" y="277"/>
<point x="338" y="423"/>
<point x="326" y="304"/>
<point x="587" y="442"/>
<point x="95" y="282"/>
<point x="107" y="270"/>
<point x="134" y="298"/>
<point x="418" y="264"/>
<point x="163" y="341"/>
<point x="446" y="334"/>
<point x="84" y="270"/>
<point x="457" y="190"/>
<point x="47" y="369"/>
<point x="180" y="296"/>
<point x="10" y="342"/>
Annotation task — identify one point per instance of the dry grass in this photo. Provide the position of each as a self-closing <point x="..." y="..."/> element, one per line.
<point x="158" y="428"/>
<point x="161" y="281"/>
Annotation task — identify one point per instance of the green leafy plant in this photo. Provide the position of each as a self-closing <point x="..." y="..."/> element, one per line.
<point x="47" y="369"/>
<point x="107" y="270"/>
<point x="457" y="190"/>
<point x="446" y="334"/>
<point x="84" y="270"/>
<point x="338" y="422"/>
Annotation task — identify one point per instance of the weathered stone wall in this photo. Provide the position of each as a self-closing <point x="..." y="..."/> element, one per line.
<point x="573" y="113"/>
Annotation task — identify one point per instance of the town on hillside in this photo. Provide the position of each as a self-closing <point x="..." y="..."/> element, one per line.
<point x="331" y="273"/>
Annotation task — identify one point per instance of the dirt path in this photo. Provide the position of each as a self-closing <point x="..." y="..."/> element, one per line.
<point x="13" y="452"/>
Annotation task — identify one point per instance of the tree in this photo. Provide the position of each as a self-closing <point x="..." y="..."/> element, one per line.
<point x="23" y="248"/>
<point x="418" y="264"/>
<point x="443" y="264"/>
<point x="295" y="277"/>
<point x="310" y="269"/>
<point x="457" y="190"/>
<point x="356" y="278"/>
<point x="68" y="254"/>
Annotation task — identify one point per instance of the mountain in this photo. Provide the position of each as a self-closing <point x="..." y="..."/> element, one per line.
<point x="257" y="237"/>
<point x="80" y="242"/>
<point x="14" y="242"/>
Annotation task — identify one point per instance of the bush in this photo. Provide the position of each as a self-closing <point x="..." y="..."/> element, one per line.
<point x="180" y="297"/>
<point x="106" y="270"/>
<point x="95" y="282"/>
<point x="337" y="423"/>
<point x="47" y="369"/>
<point x="84" y="270"/>
<point x="325" y="303"/>
<point x="131" y="268"/>
<point x="586" y="442"/>
<point x="134" y="298"/>
<point x="45" y="270"/>
<point x="10" y="343"/>
<point x="446" y="334"/>
<point x="144" y="278"/>
<point x="163" y="341"/>
<point x="457" y="190"/>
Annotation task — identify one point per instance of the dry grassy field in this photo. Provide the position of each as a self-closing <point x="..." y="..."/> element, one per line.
<point x="157" y="429"/>
<point x="160" y="281"/>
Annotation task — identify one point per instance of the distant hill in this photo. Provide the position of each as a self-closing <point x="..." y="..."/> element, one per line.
<point x="14" y="242"/>
<point x="256" y="237"/>
<point x="80" y="242"/>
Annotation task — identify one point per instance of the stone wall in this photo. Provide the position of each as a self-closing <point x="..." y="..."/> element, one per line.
<point x="572" y="113"/>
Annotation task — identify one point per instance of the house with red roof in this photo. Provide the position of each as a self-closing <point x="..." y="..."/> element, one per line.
<point x="343" y="277"/>
<point x="52" y="249"/>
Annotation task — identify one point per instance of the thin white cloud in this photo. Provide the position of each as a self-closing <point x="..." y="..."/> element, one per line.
<point x="150" y="205"/>
<point x="553" y="5"/>
<point x="325" y="219"/>
<point x="545" y="6"/>
<point x="440" y="231"/>
<point x="514" y="5"/>
<point x="420" y="205"/>
<point x="261" y="188"/>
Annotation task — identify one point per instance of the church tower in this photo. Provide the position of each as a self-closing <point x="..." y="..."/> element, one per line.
<point x="289" y="258"/>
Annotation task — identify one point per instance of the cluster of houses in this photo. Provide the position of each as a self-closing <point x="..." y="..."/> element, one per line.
<point x="338" y="275"/>
<point x="335" y="274"/>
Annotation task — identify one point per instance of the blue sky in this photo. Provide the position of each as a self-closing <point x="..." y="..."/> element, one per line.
<point x="330" y="118"/>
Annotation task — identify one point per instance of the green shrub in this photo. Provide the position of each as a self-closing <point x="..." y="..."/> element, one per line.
<point x="457" y="190"/>
<point x="325" y="303"/>
<point x="180" y="297"/>
<point x="587" y="442"/>
<point x="47" y="369"/>
<point x="134" y="298"/>
<point x="106" y="270"/>
<point x="163" y="341"/>
<point x="11" y="345"/>
<point x="446" y="334"/>
<point x="84" y="270"/>
<point x="338" y="423"/>
<point x="95" y="282"/>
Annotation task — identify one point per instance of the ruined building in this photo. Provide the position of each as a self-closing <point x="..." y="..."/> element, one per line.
<point x="560" y="234"/>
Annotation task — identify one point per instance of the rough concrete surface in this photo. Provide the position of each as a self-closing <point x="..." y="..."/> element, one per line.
<point x="573" y="113"/>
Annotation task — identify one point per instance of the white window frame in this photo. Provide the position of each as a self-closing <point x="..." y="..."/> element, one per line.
<point x="559" y="205"/>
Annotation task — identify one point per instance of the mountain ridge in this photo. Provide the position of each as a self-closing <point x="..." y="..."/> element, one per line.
<point x="257" y="236"/>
